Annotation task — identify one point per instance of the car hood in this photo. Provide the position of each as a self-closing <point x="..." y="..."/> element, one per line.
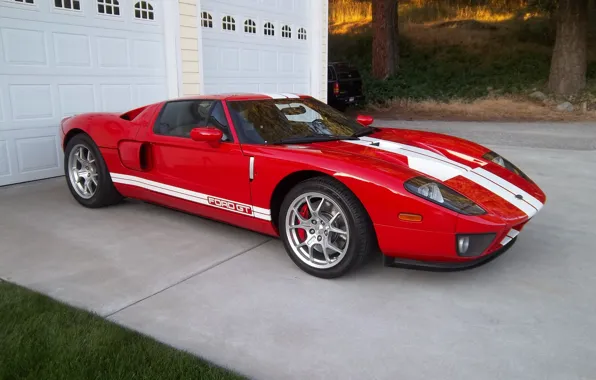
<point x="455" y="162"/>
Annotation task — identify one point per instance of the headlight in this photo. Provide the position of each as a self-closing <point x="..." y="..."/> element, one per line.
<point x="442" y="195"/>
<point x="501" y="161"/>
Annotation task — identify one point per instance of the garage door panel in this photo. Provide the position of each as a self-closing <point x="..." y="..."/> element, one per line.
<point x="148" y="54"/>
<point x="28" y="155"/>
<point x="250" y="60"/>
<point x="114" y="96"/>
<point x="58" y="63"/>
<point x="37" y="153"/>
<point x="76" y="98"/>
<point x="33" y="104"/>
<point x="149" y="93"/>
<point x="72" y="49"/>
<point x="229" y="59"/>
<point x="112" y="52"/>
<point x="2" y="106"/>
<point x="268" y="61"/>
<point x="271" y="6"/>
<point x="257" y="85"/>
<point x="13" y="41"/>
<point x="4" y="162"/>
<point x="31" y="101"/>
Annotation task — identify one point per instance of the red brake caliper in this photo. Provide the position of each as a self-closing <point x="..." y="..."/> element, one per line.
<point x="304" y="213"/>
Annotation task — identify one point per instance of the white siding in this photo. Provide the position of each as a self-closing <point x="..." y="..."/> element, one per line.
<point x="189" y="47"/>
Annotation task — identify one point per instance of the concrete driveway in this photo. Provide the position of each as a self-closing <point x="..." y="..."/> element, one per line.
<point x="235" y="298"/>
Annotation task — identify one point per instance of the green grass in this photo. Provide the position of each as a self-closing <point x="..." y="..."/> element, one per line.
<point x="44" y="339"/>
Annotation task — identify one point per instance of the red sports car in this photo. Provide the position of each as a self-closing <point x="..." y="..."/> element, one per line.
<point x="334" y="189"/>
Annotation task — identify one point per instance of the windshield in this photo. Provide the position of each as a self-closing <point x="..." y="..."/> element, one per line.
<point x="278" y="120"/>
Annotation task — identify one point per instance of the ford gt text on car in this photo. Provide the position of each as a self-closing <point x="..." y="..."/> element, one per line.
<point x="333" y="189"/>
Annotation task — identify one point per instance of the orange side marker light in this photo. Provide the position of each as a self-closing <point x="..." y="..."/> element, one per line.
<point x="410" y="217"/>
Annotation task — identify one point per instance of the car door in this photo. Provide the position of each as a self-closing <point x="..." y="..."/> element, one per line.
<point x="189" y="172"/>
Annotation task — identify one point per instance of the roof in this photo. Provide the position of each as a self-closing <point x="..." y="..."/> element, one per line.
<point x="247" y="96"/>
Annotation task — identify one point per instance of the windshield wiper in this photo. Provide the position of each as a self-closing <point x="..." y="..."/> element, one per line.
<point x="311" y="139"/>
<point x="364" y="132"/>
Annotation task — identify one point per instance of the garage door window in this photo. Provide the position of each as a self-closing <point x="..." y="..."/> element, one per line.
<point x="269" y="29"/>
<point x="144" y="11"/>
<point x="24" y="1"/>
<point x="286" y="31"/>
<point x="228" y="23"/>
<point x="250" y="27"/>
<point x="206" y="20"/>
<point x="108" y="7"/>
<point x="302" y="34"/>
<point x="74" y="5"/>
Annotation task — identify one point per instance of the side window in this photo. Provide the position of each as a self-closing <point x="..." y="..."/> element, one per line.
<point x="178" y="118"/>
<point x="218" y="120"/>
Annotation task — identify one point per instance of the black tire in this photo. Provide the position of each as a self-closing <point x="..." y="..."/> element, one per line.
<point x="105" y="194"/>
<point x="361" y="238"/>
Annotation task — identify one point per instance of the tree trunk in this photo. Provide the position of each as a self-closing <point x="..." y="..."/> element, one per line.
<point x="569" y="60"/>
<point x="385" y="49"/>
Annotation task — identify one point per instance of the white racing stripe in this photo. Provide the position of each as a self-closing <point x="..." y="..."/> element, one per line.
<point x="275" y="96"/>
<point x="291" y="96"/>
<point x="429" y="166"/>
<point x="501" y="192"/>
<point x="426" y="164"/>
<point x="513" y="233"/>
<point x="444" y="168"/>
<point x="511" y="187"/>
<point x="506" y="240"/>
<point x="510" y="236"/>
<point x="407" y="149"/>
<point x="193" y="196"/>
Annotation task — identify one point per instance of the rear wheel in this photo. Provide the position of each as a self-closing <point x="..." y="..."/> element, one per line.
<point x="324" y="227"/>
<point x="87" y="175"/>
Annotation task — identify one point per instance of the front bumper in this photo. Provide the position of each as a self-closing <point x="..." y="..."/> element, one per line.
<point x="431" y="249"/>
<point x="441" y="266"/>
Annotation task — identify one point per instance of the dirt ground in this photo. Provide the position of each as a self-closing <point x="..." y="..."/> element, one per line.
<point x="496" y="109"/>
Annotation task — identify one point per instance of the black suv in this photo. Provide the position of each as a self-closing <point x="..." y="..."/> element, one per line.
<point x="344" y="85"/>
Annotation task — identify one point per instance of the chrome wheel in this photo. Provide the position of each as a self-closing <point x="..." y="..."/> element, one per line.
<point x="82" y="171"/>
<point x="317" y="230"/>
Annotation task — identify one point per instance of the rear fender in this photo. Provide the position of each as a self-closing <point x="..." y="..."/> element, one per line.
<point x="108" y="129"/>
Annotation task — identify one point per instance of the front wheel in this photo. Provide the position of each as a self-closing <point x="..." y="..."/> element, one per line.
<point x="324" y="227"/>
<point x="87" y="175"/>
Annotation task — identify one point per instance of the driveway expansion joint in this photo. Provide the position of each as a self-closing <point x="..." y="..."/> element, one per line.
<point x="109" y="315"/>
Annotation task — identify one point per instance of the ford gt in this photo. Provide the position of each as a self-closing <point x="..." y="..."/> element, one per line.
<point x="335" y="189"/>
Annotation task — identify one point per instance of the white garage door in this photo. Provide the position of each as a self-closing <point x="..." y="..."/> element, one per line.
<point x="256" y="45"/>
<point x="63" y="57"/>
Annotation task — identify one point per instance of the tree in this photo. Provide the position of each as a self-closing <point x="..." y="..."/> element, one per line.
<point x="385" y="48"/>
<point x="569" y="60"/>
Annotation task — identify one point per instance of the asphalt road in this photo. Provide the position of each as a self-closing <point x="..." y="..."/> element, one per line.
<point x="235" y="298"/>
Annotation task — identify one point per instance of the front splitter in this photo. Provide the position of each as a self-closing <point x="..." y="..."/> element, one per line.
<point x="436" y="266"/>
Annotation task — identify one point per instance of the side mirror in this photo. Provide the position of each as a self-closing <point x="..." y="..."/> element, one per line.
<point x="365" y="120"/>
<point x="208" y="134"/>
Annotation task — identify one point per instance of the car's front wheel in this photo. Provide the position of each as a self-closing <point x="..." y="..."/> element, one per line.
<point x="324" y="227"/>
<point x="87" y="175"/>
